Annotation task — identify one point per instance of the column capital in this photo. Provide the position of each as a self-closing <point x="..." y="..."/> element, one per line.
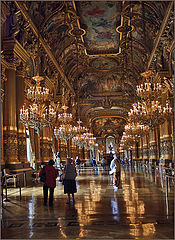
<point x="13" y="51"/>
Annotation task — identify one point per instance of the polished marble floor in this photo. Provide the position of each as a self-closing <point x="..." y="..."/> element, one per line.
<point x="142" y="208"/>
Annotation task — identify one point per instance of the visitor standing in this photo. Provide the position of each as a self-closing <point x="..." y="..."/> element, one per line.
<point x="69" y="182"/>
<point x="50" y="181"/>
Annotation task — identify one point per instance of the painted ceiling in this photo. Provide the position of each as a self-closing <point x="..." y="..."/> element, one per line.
<point x="102" y="47"/>
<point x="99" y="19"/>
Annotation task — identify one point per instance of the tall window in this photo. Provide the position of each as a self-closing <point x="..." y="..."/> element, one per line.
<point x="29" y="148"/>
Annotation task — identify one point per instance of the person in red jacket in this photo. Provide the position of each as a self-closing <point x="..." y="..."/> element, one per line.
<point x="50" y="181"/>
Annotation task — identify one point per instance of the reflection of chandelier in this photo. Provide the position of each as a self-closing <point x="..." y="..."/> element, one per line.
<point x="37" y="115"/>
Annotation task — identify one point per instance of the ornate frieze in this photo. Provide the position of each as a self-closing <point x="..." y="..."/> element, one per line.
<point x="22" y="151"/>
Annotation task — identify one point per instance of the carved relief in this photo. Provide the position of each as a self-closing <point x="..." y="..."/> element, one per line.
<point x="10" y="146"/>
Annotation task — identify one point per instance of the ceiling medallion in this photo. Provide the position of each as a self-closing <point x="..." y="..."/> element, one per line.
<point x="76" y="32"/>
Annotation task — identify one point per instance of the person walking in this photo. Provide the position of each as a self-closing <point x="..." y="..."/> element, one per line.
<point x="77" y="163"/>
<point x="94" y="164"/>
<point x="69" y="180"/>
<point x="50" y="181"/>
<point x="115" y="171"/>
<point x="103" y="163"/>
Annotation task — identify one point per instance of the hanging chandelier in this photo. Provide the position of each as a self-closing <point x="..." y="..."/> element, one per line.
<point x="38" y="114"/>
<point x="149" y="90"/>
<point x="65" y="117"/>
<point x="64" y="132"/>
<point x="137" y="130"/>
<point x="127" y="141"/>
<point x="80" y="135"/>
<point x="149" y="111"/>
<point x="37" y="93"/>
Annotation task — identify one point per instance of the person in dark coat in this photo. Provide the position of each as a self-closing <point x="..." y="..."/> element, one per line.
<point x="69" y="179"/>
<point x="50" y="181"/>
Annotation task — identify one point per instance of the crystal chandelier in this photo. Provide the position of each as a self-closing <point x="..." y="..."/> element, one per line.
<point x="149" y="111"/>
<point x="126" y="141"/>
<point x="37" y="93"/>
<point x="38" y="114"/>
<point x="137" y="130"/>
<point x="80" y="132"/>
<point x="167" y="110"/>
<point x="65" y="117"/>
<point x="148" y="89"/>
<point x="65" y="131"/>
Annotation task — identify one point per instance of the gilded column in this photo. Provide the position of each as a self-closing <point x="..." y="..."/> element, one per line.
<point x="50" y="143"/>
<point x="22" y="151"/>
<point x="166" y="145"/>
<point x="134" y="152"/>
<point x="2" y="148"/>
<point x="145" y="148"/>
<point x="44" y="146"/>
<point x="10" y="123"/>
<point x="152" y="146"/>
<point x="3" y="80"/>
<point x="140" y="149"/>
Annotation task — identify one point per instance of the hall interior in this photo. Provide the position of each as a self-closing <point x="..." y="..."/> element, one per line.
<point x="88" y="79"/>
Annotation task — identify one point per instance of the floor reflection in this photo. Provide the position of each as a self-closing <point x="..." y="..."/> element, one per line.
<point x="136" y="210"/>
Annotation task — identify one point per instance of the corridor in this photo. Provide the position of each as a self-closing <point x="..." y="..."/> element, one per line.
<point x="142" y="208"/>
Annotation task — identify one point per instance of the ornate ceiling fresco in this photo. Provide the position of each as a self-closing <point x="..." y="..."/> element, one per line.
<point x="96" y="49"/>
<point x="99" y="20"/>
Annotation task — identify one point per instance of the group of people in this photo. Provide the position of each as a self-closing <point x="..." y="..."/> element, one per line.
<point x="69" y="175"/>
<point x="51" y="173"/>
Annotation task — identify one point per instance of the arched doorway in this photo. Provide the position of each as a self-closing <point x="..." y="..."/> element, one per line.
<point x="111" y="145"/>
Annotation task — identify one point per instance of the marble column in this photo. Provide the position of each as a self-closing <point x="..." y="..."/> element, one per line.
<point x="10" y="122"/>
<point x="22" y="150"/>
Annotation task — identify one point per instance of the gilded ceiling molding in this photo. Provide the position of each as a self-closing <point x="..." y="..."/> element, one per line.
<point x="20" y="5"/>
<point x="157" y="40"/>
